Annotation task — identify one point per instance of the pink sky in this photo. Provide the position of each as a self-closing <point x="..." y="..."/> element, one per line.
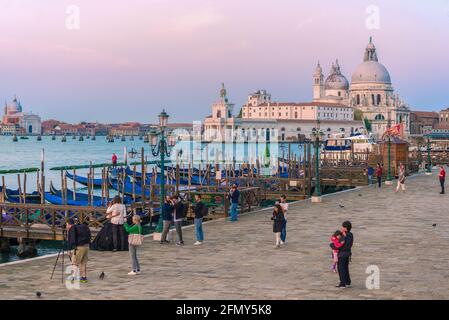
<point x="130" y="59"/>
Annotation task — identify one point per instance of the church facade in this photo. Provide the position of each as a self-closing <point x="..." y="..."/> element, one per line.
<point x="15" y="121"/>
<point x="370" y="91"/>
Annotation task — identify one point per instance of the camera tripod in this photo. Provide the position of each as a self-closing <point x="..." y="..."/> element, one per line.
<point x="63" y="250"/>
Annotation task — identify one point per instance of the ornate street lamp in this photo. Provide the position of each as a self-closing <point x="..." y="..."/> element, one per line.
<point x="317" y="138"/>
<point x="429" y="160"/>
<point x="161" y="142"/>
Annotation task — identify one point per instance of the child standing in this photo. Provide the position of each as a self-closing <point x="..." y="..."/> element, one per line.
<point x="336" y="240"/>
<point x="278" y="221"/>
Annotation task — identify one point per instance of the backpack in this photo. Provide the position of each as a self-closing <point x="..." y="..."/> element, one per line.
<point x="82" y="235"/>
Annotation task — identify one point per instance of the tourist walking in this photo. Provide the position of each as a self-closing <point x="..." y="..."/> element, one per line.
<point x="135" y="239"/>
<point x="278" y="221"/>
<point x="442" y="177"/>
<point x="117" y="212"/>
<point x="78" y="240"/>
<point x="401" y="178"/>
<point x="284" y="205"/>
<point x="200" y="211"/>
<point x="379" y="172"/>
<point x="114" y="160"/>
<point x="179" y="213"/>
<point x="344" y="255"/>
<point x="370" y="172"/>
<point x="167" y="217"/>
<point x="234" y="195"/>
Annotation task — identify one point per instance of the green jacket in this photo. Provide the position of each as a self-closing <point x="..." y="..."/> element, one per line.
<point x="135" y="229"/>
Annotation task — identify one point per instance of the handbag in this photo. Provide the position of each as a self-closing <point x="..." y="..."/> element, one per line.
<point x="135" y="239"/>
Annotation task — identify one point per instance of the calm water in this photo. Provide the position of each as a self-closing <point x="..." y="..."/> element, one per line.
<point x="27" y="153"/>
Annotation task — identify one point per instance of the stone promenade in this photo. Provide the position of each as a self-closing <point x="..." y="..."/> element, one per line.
<point x="392" y="231"/>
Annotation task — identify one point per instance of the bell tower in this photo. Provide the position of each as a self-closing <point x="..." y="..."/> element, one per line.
<point x="318" y="83"/>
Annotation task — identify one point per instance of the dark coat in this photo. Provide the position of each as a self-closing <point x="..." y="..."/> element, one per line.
<point x="278" y="221"/>
<point x="346" y="249"/>
<point x="199" y="210"/>
<point x="167" y="212"/>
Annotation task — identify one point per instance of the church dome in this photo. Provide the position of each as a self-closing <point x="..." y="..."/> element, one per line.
<point x="336" y="80"/>
<point x="14" y="107"/>
<point x="370" y="70"/>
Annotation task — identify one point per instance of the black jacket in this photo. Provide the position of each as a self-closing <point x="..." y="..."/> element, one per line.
<point x="199" y="210"/>
<point x="345" y="250"/>
<point x="179" y="210"/>
<point x="78" y="235"/>
<point x="278" y="221"/>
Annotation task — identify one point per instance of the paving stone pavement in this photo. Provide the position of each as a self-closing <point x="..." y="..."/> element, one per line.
<point x="238" y="260"/>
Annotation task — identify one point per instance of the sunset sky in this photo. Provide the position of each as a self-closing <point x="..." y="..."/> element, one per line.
<point x="129" y="59"/>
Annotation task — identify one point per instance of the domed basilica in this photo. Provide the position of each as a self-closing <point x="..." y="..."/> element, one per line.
<point x="370" y="91"/>
<point x="15" y="121"/>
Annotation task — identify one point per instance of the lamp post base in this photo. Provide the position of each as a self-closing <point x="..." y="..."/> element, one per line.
<point x="316" y="199"/>
<point x="388" y="183"/>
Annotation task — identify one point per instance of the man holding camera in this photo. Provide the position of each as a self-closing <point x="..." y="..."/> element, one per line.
<point x="78" y="240"/>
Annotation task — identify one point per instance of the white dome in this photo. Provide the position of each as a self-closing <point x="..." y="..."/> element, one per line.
<point x="14" y="107"/>
<point x="336" y="82"/>
<point x="371" y="71"/>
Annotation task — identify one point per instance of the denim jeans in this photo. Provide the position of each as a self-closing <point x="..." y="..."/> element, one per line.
<point x="284" y="231"/>
<point x="199" y="229"/>
<point x="133" y="255"/>
<point x="234" y="211"/>
<point x="370" y="179"/>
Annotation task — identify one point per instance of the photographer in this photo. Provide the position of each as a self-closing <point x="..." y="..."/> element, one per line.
<point x="78" y="240"/>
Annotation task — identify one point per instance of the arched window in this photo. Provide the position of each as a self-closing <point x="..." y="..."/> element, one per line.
<point x="378" y="99"/>
<point x="372" y="99"/>
<point x="358" y="99"/>
<point x="339" y="93"/>
<point x="219" y="114"/>
<point x="379" y="117"/>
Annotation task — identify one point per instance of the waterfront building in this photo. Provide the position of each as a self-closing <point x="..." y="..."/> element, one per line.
<point x="290" y="122"/>
<point x="220" y="125"/>
<point x="372" y="93"/>
<point x="15" y="121"/>
<point x="421" y="122"/>
<point x="126" y="129"/>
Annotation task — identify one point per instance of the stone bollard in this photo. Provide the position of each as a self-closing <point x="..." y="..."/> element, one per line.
<point x="4" y="245"/>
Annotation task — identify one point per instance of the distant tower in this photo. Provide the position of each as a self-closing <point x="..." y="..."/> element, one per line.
<point x="222" y="108"/>
<point x="318" y="82"/>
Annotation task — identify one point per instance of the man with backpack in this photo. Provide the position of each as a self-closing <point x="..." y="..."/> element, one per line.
<point x="78" y="240"/>
<point x="200" y="211"/>
<point x="179" y="214"/>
